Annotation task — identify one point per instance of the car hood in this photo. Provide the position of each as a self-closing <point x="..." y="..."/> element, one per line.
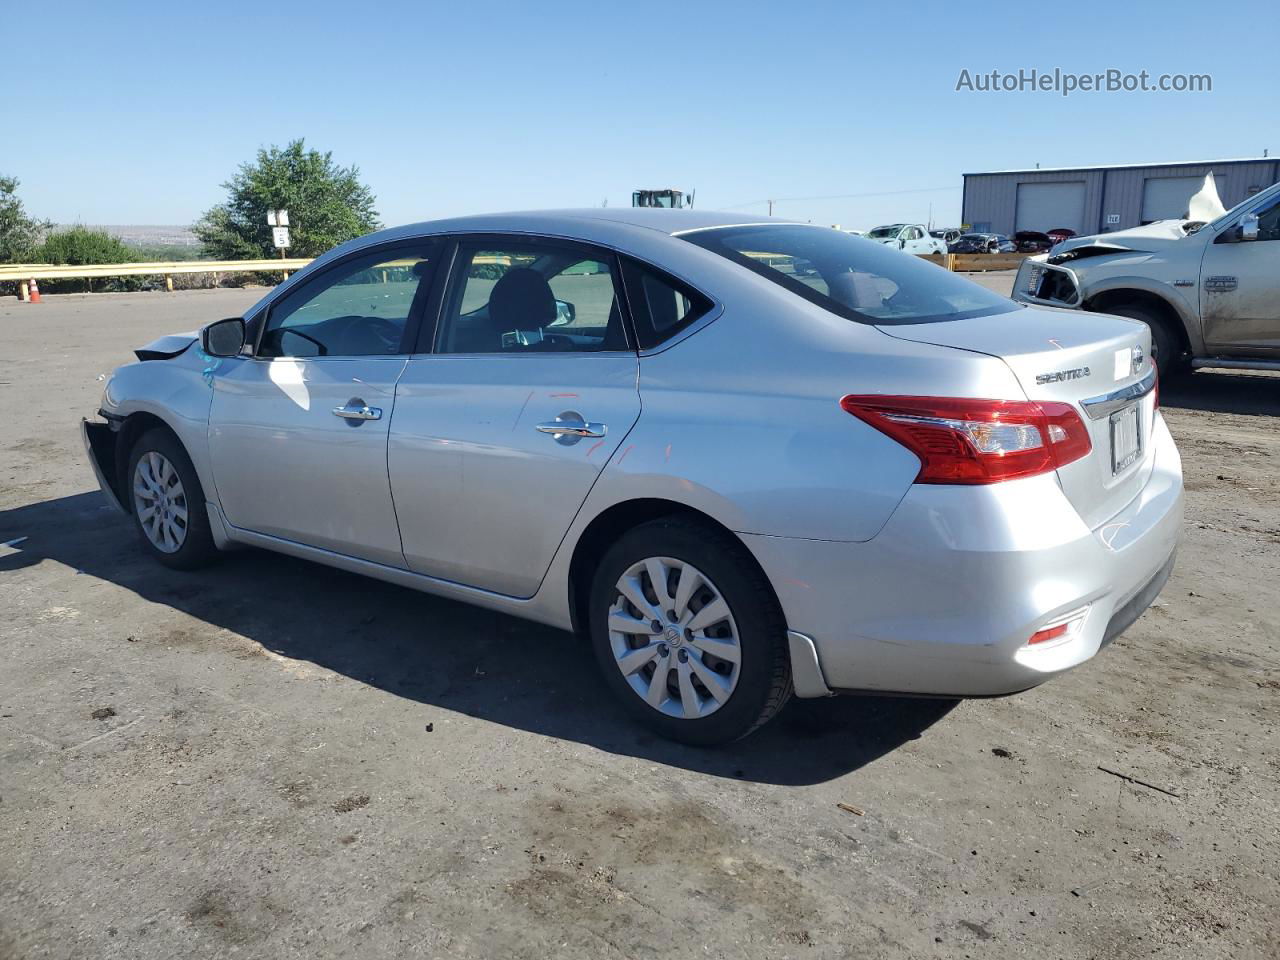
<point x="1144" y="239"/>
<point x="166" y="347"/>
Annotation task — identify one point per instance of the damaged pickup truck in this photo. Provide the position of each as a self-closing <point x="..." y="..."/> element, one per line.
<point x="1209" y="291"/>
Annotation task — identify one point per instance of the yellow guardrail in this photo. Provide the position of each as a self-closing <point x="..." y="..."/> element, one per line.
<point x="26" y="272"/>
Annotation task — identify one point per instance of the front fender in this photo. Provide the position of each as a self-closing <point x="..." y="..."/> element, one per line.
<point x="1188" y="313"/>
<point x="178" y="392"/>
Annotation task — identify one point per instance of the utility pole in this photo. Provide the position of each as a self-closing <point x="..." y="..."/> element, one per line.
<point x="771" y="208"/>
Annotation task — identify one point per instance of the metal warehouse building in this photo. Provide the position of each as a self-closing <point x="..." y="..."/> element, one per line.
<point x="1100" y="199"/>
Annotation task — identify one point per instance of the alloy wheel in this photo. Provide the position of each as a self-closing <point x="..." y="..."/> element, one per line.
<point x="674" y="638"/>
<point x="160" y="502"/>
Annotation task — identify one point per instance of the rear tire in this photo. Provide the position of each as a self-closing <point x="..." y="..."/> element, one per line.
<point x="1165" y="344"/>
<point x="167" y="502"/>
<point x="724" y="672"/>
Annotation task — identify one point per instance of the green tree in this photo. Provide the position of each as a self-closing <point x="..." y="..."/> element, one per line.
<point x="80" y="245"/>
<point x="327" y="205"/>
<point x="19" y="233"/>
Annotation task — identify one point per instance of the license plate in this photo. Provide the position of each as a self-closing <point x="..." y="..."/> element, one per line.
<point x="1126" y="439"/>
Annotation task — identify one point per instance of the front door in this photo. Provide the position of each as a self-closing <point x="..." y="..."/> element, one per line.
<point x="1239" y="305"/>
<point x="500" y="432"/>
<point x="298" y="431"/>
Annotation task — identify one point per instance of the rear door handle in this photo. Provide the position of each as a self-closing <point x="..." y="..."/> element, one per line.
<point x="570" y="427"/>
<point x="357" y="409"/>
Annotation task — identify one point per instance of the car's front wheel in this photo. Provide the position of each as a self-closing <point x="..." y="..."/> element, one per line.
<point x="168" y="503"/>
<point x="688" y="632"/>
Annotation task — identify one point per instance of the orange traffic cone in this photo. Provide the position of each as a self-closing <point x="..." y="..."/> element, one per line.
<point x="35" y="291"/>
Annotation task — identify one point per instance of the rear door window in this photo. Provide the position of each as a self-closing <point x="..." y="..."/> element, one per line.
<point x="531" y="297"/>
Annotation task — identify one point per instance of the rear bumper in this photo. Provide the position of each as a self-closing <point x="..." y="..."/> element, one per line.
<point x="100" y="448"/>
<point x="945" y="598"/>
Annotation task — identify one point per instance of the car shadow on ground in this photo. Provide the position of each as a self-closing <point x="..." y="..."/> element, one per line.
<point x="448" y="654"/>
<point x="1257" y="394"/>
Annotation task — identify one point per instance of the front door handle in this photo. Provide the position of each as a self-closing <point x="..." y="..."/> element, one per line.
<point x="357" y="409"/>
<point x="570" y="427"/>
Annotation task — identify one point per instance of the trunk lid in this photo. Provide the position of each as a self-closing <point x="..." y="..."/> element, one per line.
<point x="1072" y="357"/>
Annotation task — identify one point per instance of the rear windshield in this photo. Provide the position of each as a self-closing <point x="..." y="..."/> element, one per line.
<point x="852" y="277"/>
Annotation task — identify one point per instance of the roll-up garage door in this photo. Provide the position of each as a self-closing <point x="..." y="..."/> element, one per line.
<point x="1165" y="198"/>
<point x="1044" y="206"/>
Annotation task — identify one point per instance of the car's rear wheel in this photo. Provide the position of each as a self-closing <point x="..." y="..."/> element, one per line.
<point x="168" y="502"/>
<point x="688" y="632"/>
<point x="1166" y="348"/>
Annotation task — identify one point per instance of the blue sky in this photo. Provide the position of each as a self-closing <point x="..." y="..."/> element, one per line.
<point x="142" y="110"/>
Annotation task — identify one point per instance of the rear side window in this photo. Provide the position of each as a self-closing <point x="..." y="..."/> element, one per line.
<point x="854" y="278"/>
<point x="660" y="305"/>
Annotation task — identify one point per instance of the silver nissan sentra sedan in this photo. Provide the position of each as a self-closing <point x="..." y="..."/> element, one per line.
<point x="741" y="459"/>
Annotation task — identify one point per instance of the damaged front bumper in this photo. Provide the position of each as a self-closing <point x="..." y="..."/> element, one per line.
<point x="1046" y="284"/>
<point x="100" y="446"/>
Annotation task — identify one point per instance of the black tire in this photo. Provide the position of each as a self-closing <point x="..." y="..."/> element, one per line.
<point x="1165" y="343"/>
<point x="764" y="672"/>
<point x="197" y="547"/>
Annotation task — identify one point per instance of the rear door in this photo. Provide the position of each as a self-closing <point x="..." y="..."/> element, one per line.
<point x="298" y="431"/>
<point x="505" y="417"/>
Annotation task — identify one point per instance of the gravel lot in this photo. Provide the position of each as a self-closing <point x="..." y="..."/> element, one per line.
<point x="275" y="759"/>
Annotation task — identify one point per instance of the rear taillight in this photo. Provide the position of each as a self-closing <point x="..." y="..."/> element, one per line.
<point x="959" y="440"/>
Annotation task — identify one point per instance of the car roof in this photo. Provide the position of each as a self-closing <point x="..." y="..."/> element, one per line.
<point x="573" y="221"/>
<point x="620" y="227"/>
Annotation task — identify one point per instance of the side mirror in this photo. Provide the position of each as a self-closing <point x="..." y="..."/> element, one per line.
<point x="223" y="338"/>
<point x="1243" y="232"/>
<point x="902" y="244"/>
<point x="566" y="312"/>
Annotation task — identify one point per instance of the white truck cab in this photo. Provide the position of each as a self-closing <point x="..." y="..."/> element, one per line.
<point x="1209" y="292"/>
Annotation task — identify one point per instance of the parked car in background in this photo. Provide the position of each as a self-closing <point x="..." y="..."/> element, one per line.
<point x="947" y="235"/>
<point x="1032" y="241"/>
<point x="1208" y="291"/>
<point x="933" y="490"/>
<point x="907" y="237"/>
<point x="1058" y="234"/>
<point x="983" y="243"/>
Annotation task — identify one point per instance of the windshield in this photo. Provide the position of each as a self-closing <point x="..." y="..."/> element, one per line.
<point x="852" y="277"/>
<point x="890" y="231"/>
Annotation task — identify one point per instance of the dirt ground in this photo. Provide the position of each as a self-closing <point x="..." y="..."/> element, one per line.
<point x="274" y="759"/>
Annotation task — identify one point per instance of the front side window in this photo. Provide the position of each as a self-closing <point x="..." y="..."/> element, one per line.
<point x="856" y="279"/>
<point x="357" y="309"/>
<point x="1269" y="221"/>
<point x="531" y="298"/>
